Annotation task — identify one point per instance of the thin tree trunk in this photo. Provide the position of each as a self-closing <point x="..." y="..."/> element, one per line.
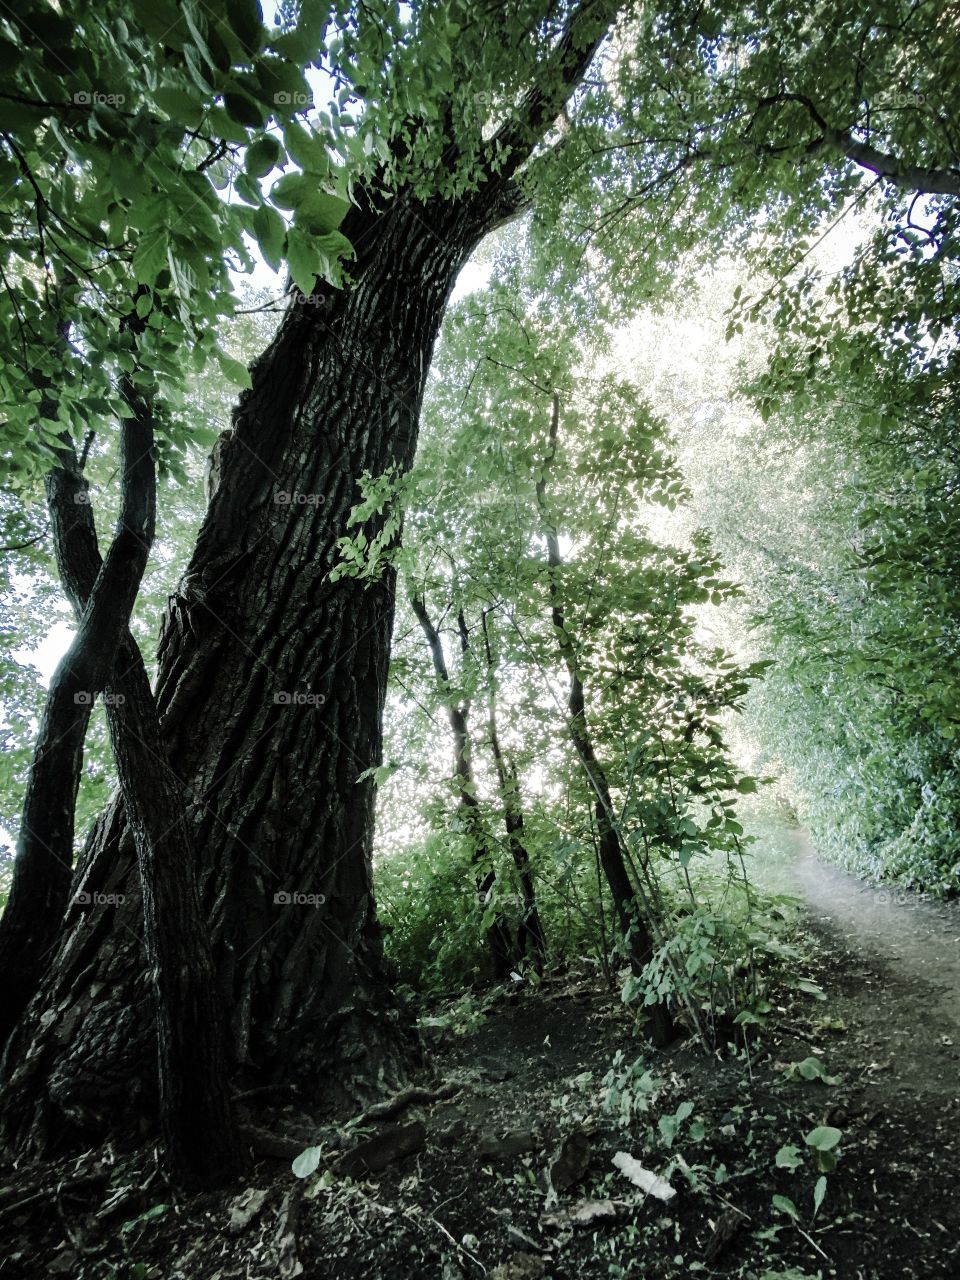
<point x="499" y="940"/>
<point x="201" y="1142"/>
<point x="635" y="928"/>
<point x="530" y="936"/>
<point x="43" y="866"/>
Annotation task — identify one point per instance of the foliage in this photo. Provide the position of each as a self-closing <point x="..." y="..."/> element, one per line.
<point x="657" y="696"/>
<point x="130" y="154"/>
<point x="831" y="499"/>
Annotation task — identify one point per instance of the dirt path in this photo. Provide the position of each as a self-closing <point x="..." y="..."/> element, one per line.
<point x="904" y="952"/>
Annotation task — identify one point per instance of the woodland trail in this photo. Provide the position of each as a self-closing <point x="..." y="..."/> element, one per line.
<point x="904" y="951"/>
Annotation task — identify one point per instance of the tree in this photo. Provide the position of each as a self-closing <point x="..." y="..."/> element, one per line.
<point x="499" y="938"/>
<point x="530" y="933"/>
<point x="634" y="910"/>
<point x="602" y="671"/>
<point x="271" y="678"/>
<point x="115" y="257"/>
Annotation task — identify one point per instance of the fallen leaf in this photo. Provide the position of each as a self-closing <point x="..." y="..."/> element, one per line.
<point x="244" y="1209"/>
<point x="571" y="1161"/>
<point x="587" y="1213"/>
<point x="643" y="1178"/>
<point x="520" y="1266"/>
<point x="724" y="1233"/>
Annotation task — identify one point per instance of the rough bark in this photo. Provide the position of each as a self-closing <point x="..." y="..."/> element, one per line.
<point x="635" y="928"/>
<point x="271" y="687"/>
<point x="201" y="1143"/>
<point x="499" y="939"/>
<point x="270" y="691"/>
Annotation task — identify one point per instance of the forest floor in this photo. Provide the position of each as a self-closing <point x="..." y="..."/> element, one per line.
<point x="523" y="1108"/>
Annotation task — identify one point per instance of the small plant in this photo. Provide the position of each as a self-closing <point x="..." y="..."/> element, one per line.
<point x="822" y="1142"/>
<point x="628" y="1089"/>
<point x="809" y="1069"/>
<point x="669" y="1126"/>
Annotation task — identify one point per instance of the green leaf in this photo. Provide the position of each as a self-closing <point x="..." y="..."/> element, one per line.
<point x="789" y="1157"/>
<point x="270" y="229"/>
<point x="306" y="149"/>
<point x="246" y="22"/>
<point x="286" y="191"/>
<point x="824" y="1138"/>
<point x="262" y="156"/>
<point x="179" y="105"/>
<point x="237" y="372"/>
<point x="150" y="257"/>
<point x="786" y="1205"/>
<point x="810" y="1069"/>
<point x="244" y="110"/>
<point x="307" y="1162"/>
<point x="819" y="1191"/>
<point x="320" y="213"/>
<point x="333" y="248"/>
<point x="304" y="260"/>
<point x="811" y="989"/>
<point x="158" y="18"/>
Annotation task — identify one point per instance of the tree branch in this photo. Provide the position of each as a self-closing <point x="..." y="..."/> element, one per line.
<point x="893" y="169"/>
<point x="554" y="82"/>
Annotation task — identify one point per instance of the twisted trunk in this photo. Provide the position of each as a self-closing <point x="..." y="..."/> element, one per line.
<point x="42" y="870"/>
<point x="201" y="1143"/>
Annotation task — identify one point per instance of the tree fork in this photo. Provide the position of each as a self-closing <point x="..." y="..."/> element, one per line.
<point x="43" y="866"/>
<point x="201" y="1140"/>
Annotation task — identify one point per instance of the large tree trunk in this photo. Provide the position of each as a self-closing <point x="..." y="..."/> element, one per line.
<point x="271" y="687"/>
